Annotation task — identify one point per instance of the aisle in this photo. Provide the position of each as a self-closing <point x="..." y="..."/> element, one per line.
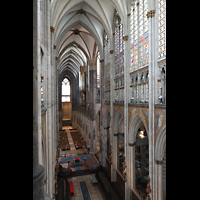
<point x="71" y="142"/>
<point x="81" y="175"/>
<point x="73" y="150"/>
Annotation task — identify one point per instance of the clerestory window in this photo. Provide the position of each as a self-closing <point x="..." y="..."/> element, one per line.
<point x="139" y="34"/>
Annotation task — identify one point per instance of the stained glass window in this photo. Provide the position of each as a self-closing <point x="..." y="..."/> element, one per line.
<point x="106" y="59"/>
<point x="161" y="25"/>
<point x="139" y="34"/>
<point x="119" y="47"/>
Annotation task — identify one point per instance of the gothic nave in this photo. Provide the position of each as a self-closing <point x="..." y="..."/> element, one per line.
<point x="99" y="99"/>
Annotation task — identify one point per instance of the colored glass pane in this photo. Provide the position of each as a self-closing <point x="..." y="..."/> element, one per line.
<point x="139" y="34"/>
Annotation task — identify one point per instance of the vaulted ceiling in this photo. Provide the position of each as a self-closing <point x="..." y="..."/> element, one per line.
<point x="79" y="27"/>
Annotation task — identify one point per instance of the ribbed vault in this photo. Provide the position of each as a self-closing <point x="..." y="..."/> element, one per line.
<point x="79" y="26"/>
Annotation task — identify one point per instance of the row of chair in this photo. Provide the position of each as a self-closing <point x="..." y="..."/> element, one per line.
<point x="77" y="139"/>
<point x="66" y="190"/>
<point x="63" y="141"/>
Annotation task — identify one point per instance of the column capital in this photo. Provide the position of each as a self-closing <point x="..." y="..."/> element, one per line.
<point x="131" y="144"/>
<point x="106" y="127"/>
<point x="158" y="162"/>
<point x="52" y="29"/>
<point x="125" y="38"/>
<point x="151" y="14"/>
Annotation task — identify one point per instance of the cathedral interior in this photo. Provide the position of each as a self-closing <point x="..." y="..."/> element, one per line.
<point x="99" y="99"/>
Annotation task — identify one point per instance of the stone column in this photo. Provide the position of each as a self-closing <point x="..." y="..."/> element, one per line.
<point x="57" y="110"/>
<point x="160" y="184"/>
<point x="132" y="164"/>
<point x="115" y="157"/>
<point x="126" y="101"/>
<point x="112" y="73"/>
<point x="93" y="94"/>
<point x="151" y="28"/>
<point x="50" y="150"/>
<point x="53" y="83"/>
<point x="130" y="172"/>
<point x="60" y="102"/>
<point x="102" y="131"/>
<point x="38" y="171"/>
<point x="104" y="151"/>
<point x="144" y="85"/>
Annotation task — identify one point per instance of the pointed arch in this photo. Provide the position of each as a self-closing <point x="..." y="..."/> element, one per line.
<point x="160" y="144"/>
<point x="89" y="10"/>
<point x="68" y="27"/>
<point x="135" y="124"/>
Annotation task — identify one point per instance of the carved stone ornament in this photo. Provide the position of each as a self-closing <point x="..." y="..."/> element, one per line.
<point x="52" y="29"/>
<point x="125" y="38"/>
<point x="81" y="11"/>
<point x="131" y="144"/>
<point x="151" y="14"/>
<point x="106" y="127"/>
<point x="76" y="32"/>
<point x="158" y="162"/>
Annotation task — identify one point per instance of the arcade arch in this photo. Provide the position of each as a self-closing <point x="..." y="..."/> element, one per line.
<point x="138" y="148"/>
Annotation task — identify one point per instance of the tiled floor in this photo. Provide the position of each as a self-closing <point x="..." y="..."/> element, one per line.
<point x="93" y="189"/>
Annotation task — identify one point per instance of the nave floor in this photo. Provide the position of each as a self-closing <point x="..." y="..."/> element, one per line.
<point x="73" y="150"/>
<point x="80" y="174"/>
<point x="93" y="189"/>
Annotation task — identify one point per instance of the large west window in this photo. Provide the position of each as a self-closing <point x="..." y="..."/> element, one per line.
<point x="66" y="90"/>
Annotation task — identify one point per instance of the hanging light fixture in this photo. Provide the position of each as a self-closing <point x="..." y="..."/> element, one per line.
<point x="141" y="134"/>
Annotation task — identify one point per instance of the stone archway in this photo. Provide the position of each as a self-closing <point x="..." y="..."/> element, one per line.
<point x="135" y="123"/>
<point x="138" y="149"/>
<point x="115" y="144"/>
